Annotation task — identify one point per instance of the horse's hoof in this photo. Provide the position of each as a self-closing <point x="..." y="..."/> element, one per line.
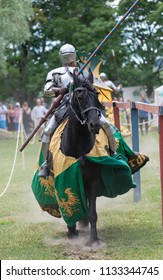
<point x="73" y="234"/>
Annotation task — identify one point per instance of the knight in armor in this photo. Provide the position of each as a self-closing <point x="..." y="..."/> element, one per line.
<point x="59" y="81"/>
<point x="108" y="82"/>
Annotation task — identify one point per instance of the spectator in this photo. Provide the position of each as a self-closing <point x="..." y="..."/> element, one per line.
<point x="120" y="91"/>
<point x="10" y="118"/>
<point x="43" y="103"/>
<point x="143" y="116"/>
<point x="37" y="113"/>
<point x="17" y="111"/>
<point x="3" y="118"/>
<point x="26" y="118"/>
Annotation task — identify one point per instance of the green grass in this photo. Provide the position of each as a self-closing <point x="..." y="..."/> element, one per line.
<point x="129" y="230"/>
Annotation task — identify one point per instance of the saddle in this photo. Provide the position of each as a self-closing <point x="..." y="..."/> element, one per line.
<point x="62" y="114"/>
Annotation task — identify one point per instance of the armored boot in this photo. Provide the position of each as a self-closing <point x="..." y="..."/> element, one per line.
<point x="44" y="170"/>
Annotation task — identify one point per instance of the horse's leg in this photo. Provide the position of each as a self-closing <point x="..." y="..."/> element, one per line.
<point x="92" y="215"/>
<point x="84" y="223"/>
<point x="92" y="183"/>
<point x="72" y="232"/>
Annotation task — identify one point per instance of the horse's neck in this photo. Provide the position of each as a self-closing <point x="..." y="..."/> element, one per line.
<point x="76" y="140"/>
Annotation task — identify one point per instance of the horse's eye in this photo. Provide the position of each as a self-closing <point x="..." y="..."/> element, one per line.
<point x="80" y="91"/>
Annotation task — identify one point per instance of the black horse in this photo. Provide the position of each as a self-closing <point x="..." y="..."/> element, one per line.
<point x="79" y="138"/>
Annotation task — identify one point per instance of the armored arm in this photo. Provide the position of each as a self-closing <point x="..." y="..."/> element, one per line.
<point x="55" y="91"/>
<point x="53" y="86"/>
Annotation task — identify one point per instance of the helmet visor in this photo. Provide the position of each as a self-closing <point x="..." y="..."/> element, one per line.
<point x="68" y="58"/>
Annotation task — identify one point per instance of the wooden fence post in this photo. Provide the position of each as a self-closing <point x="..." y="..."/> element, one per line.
<point x="135" y="147"/>
<point x="116" y="115"/>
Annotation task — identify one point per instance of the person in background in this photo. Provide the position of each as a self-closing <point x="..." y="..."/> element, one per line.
<point x="109" y="83"/>
<point x="17" y="111"/>
<point x="143" y="116"/>
<point x="26" y="118"/>
<point x="120" y="91"/>
<point x="116" y="90"/>
<point x="112" y="86"/>
<point x="43" y="103"/>
<point x="10" y="118"/>
<point x="37" y="113"/>
<point x="3" y="117"/>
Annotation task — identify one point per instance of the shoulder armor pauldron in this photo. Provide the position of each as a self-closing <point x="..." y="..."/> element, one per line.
<point x="58" y="71"/>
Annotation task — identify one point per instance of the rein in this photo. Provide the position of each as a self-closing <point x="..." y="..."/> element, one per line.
<point x="82" y="122"/>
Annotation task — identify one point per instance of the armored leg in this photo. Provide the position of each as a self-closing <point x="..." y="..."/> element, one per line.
<point x="48" y="131"/>
<point x="109" y="130"/>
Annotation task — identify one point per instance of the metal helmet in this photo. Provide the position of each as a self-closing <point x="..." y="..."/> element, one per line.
<point x="103" y="76"/>
<point x="67" y="54"/>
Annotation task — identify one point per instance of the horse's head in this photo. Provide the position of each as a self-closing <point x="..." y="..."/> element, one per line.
<point x="85" y="104"/>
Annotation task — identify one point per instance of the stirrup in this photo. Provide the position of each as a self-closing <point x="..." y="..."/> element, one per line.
<point x="44" y="170"/>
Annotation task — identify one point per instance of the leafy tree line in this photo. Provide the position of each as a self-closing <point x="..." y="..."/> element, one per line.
<point x="26" y="59"/>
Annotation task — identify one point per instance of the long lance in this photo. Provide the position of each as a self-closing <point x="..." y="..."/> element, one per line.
<point x="59" y="97"/>
<point x="116" y="68"/>
<point x="108" y="36"/>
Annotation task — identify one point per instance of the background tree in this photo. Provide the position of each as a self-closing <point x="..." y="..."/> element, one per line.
<point x="136" y="43"/>
<point x="141" y="43"/>
<point x="14" y="29"/>
<point x="54" y="23"/>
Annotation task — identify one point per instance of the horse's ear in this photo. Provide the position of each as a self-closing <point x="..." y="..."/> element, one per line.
<point x="75" y="78"/>
<point x="90" y="76"/>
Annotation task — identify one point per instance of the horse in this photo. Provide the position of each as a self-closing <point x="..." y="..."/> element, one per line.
<point x="82" y="166"/>
<point x="79" y="138"/>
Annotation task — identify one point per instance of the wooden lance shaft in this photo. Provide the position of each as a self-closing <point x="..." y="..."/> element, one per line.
<point x="108" y="36"/>
<point x="43" y="119"/>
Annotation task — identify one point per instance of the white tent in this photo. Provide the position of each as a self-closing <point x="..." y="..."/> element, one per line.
<point x="158" y="93"/>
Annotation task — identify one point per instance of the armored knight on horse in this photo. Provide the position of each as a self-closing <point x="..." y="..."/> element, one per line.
<point x="59" y="81"/>
<point x="82" y="156"/>
<point x="80" y="161"/>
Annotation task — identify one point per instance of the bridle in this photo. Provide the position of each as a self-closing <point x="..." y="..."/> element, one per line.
<point x="82" y="112"/>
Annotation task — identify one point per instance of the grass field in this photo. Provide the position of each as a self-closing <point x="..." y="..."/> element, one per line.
<point x="129" y="230"/>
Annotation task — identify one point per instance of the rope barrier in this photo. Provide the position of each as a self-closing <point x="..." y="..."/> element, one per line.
<point x="126" y="124"/>
<point x="14" y="161"/>
<point x="22" y="133"/>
